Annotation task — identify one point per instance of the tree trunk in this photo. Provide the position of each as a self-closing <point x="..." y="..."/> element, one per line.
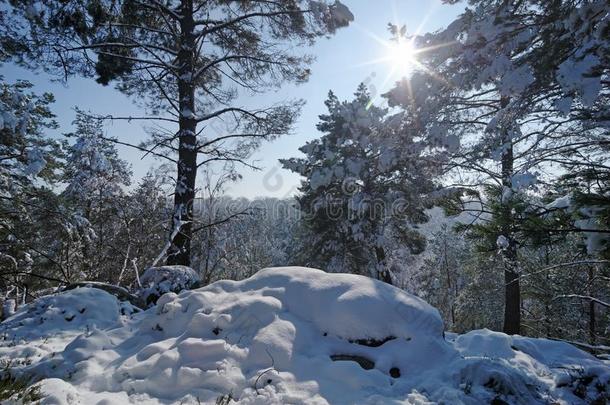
<point x="512" y="305"/>
<point x="450" y="287"/>
<point x="592" y="326"/>
<point x="383" y="273"/>
<point x="182" y="226"/>
<point x="512" y="289"/>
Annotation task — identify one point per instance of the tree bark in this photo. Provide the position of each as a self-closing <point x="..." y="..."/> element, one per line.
<point x="512" y="288"/>
<point x="182" y="220"/>
<point x="383" y="273"/>
<point x="592" y="323"/>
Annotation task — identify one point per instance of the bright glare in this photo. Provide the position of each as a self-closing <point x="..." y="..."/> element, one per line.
<point x="402" y="56"/>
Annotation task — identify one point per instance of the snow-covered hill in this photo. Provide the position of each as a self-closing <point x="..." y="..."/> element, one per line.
<point x="284" y="336"/>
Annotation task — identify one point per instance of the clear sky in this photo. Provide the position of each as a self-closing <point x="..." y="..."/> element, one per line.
<point x="342" y="62"/>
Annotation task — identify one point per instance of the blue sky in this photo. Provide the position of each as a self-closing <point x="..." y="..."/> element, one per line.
<point x="342" y="62"/>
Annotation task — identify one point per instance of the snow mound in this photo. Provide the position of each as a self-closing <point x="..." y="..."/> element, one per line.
<point x="303" y="336"/>
<point x="74" y="310"/>
<point x="343" y="305"/>
<point x="48" y="324"/>
<point x="157" y="281"/>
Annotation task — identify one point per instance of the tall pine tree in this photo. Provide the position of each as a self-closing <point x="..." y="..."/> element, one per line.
<point x="187" y="61"/>
<point x="519" y="86"/>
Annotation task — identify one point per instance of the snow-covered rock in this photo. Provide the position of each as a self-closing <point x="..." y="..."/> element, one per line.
<point x="302" y="336"/>
<point x="157" y="281"/>
<point x="120" y="292"/>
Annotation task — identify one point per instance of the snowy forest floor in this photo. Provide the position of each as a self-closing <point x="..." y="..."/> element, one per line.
<point x="284" y="336"/>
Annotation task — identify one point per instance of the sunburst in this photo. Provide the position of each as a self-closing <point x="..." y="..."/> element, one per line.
<point x="401" y="55"/>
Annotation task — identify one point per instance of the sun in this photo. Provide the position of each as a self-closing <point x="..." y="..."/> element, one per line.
<point x="401" y="55"/>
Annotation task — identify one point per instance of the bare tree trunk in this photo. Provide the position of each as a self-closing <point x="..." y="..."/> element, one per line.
<point x="182" y="226"/>
<point x="383" y="273"/>
<point x="512" y="298"/>
<point x="450" y="286"/>
<point x="512" y="292"/>
<point x="592" y="336"/>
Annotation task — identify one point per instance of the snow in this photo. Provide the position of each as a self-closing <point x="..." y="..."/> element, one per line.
<point x="8" y="308"/>
<point x="502" y="242"/>
<point x="75" y="309"/>
<point x="157" y="281"/>
<point x="562" y="202"/>
<point x="574" y="75"/>
<point x="594" y="241"/>
<point x="522" y="181"/>
<point x="334" y="16"/>
<point x="564" y="105"/>
<point x="269" y="340"/>
<point x="46" y="326"/>
<point x="36" y="162"/>
<point x="515" y="81"/>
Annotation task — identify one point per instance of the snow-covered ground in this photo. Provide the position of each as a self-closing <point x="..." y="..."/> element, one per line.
<point x="284" y="336"/>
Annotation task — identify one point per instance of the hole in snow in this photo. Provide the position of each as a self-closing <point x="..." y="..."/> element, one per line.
<point x="372" y="342"/>
<point x="362" y="361"/>
<point x="498" y="401"/>
<point x="395" y="372"/>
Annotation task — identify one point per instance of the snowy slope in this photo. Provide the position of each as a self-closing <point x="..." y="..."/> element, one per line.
<point x="291" y="335"/>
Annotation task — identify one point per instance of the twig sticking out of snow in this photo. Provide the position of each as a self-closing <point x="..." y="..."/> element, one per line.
<point x="271" y="368"/>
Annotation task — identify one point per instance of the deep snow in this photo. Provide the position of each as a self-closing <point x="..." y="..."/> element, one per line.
<point x="270" y="338"/>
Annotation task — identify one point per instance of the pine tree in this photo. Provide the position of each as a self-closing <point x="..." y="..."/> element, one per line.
<point x="518" y="87"/>
<point x="95" y="178"/>
<point x="363" y="188"/>
<point x="186" y="61"/>
<point x="28" y="168"/>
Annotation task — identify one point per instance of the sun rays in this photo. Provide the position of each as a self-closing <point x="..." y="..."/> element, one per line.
<point x="401" y="56"/>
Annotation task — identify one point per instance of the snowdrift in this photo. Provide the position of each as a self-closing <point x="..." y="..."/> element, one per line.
<point x="284" y="336"/>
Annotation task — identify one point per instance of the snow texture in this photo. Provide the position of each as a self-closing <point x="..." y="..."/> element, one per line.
<point x="36" y="162"/>
<point x="288" y="335"/>
<point x="157" y="281"/>
<point x="46" y="326"/>
<point x="502" y="242"/>
<point x="334" y="16"/>
<point x="8" y="308"/>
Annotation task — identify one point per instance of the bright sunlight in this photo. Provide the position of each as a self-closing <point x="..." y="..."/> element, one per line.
<point x="401" y="55"/>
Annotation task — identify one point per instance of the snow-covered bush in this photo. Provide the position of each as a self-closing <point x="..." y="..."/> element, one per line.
<point x="157" y="281"/>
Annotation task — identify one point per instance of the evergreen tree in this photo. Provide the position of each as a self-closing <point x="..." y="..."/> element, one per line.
<point x="28" y="167"/>
<point x="190" y="59"/>
<point x="518" y="87"/>
<point x="95" y="178"/>
<point x="363" y="188"/>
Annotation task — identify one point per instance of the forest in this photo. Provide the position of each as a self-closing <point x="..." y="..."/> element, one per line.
<point x="459" y="212"/>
